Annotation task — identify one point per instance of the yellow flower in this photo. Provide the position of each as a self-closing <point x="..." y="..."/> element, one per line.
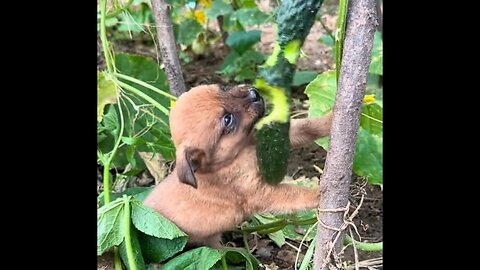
<point x="206" y="3"/>
<point x="200" y="16"/>
<point x="172" y="102"/>
<point x="367" y="99"/>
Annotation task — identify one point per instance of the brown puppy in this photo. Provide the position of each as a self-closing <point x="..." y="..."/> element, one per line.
<point x="216" y="183"/>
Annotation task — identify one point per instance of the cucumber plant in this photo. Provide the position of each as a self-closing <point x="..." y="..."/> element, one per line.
<point x="294" y="20"/>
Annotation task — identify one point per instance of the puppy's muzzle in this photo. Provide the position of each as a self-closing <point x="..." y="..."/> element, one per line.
<point x="257" y="103"/>
<point x="253" y="95"/>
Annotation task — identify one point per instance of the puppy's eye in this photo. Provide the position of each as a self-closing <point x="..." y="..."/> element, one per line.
<point x="228" y="119"/>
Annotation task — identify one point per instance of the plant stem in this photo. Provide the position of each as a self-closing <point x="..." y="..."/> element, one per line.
<point x="106" y="166"/>
<point x="142" y="95"/>
<point x="103" y="37"/>
<point x="245" y="242"/>
<point x="128" y="239"/>
<point x="341" y="22"/>
<point x="278" y="224"/>
<point x="224" y="263"/>
<point x="117" y="261"/>
<point x="106" y="183"/>
<point x="146" y="85"/>
<point x="362" y="245"/>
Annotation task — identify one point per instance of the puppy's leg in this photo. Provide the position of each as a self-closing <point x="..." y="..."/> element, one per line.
<point x="305" y="131"/>
<point x="286" y="198"/>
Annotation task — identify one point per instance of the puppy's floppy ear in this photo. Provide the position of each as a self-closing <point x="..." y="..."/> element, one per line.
<point x="188" y="160"/>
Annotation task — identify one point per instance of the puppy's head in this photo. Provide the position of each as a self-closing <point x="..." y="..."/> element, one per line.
<point x="210" y="126"/>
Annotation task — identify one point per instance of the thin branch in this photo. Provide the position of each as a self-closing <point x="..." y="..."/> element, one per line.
<point x="167" y="45"/>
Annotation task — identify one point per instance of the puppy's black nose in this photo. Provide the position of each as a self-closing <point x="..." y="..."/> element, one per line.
<point x="253" y="95"/>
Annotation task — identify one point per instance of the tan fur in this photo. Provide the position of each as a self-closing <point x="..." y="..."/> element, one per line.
<point x="216" y="183"/>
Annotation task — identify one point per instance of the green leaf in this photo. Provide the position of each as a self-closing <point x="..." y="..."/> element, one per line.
<point x="246" y="3"/>
<point x="242" y="67"/>
<point x="218" y="8"/>
<point x="245" y="75"/>
<point x="321" y="94"/>
<point x="130" y="153"/>
<point x="265" y="218"/>
<point x="137" y="251"/>
<point x="372" y="118"/>
<point x="199" y="258"/>
<point x="368" y="154"/>
<point x="376" y="66"/>
<point x="188" y="31"/>
<point x="106" y="94"/>
<point x="242" y="41"/>
<point x="308" y="255"/>
<point x="133" y="140"/>
<point x="239" y="255"/>
<point x="291" y="233"/>
<point x="231" y="24"/>
<point x="141" y="117"/>
<point x="158" y="249"/>
<point x="110" y="121"/>
<point x="158" y="136"/>
<point x="110" y="228"/>
<point x="303" y="77"/>
<point x="249" y="17"/>
<point x="139" y="193"/>
<point x="368" y="160"/>
<point x="131" y="22"/>
<point x="152" y="223"/>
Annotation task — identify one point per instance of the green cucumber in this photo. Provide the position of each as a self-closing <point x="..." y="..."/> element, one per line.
<point x="294" y="20"/>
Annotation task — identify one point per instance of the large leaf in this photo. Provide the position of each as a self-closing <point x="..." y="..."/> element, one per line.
<point x="200" y="258"/>
<point x="219" y="8"/>
<point x="158" y="137"/>
<point x="158" y="249"/>
<point x="246" y="3"/>
<point x="187" y="31"/>
<point x="376" y="66"/>
<point x="110" y="228"/>
<point x="242" y="41"/>
<point x="368" y="157"/>
<point x="372" y="118"/>
<point x="137" y="251"/>
<point x="152" y="223"/>
<point x="249" y="17"/>
<point x="141" y="117"/>
<point x="368" y="153"/>
<point x="106" y="94"/>
<point x="321" y="94"/>
<point x="241" y="67"/>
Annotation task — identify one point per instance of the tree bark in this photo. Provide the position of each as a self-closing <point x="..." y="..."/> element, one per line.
<point x="357" y="54"/>
<point x="167" y="45"/>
